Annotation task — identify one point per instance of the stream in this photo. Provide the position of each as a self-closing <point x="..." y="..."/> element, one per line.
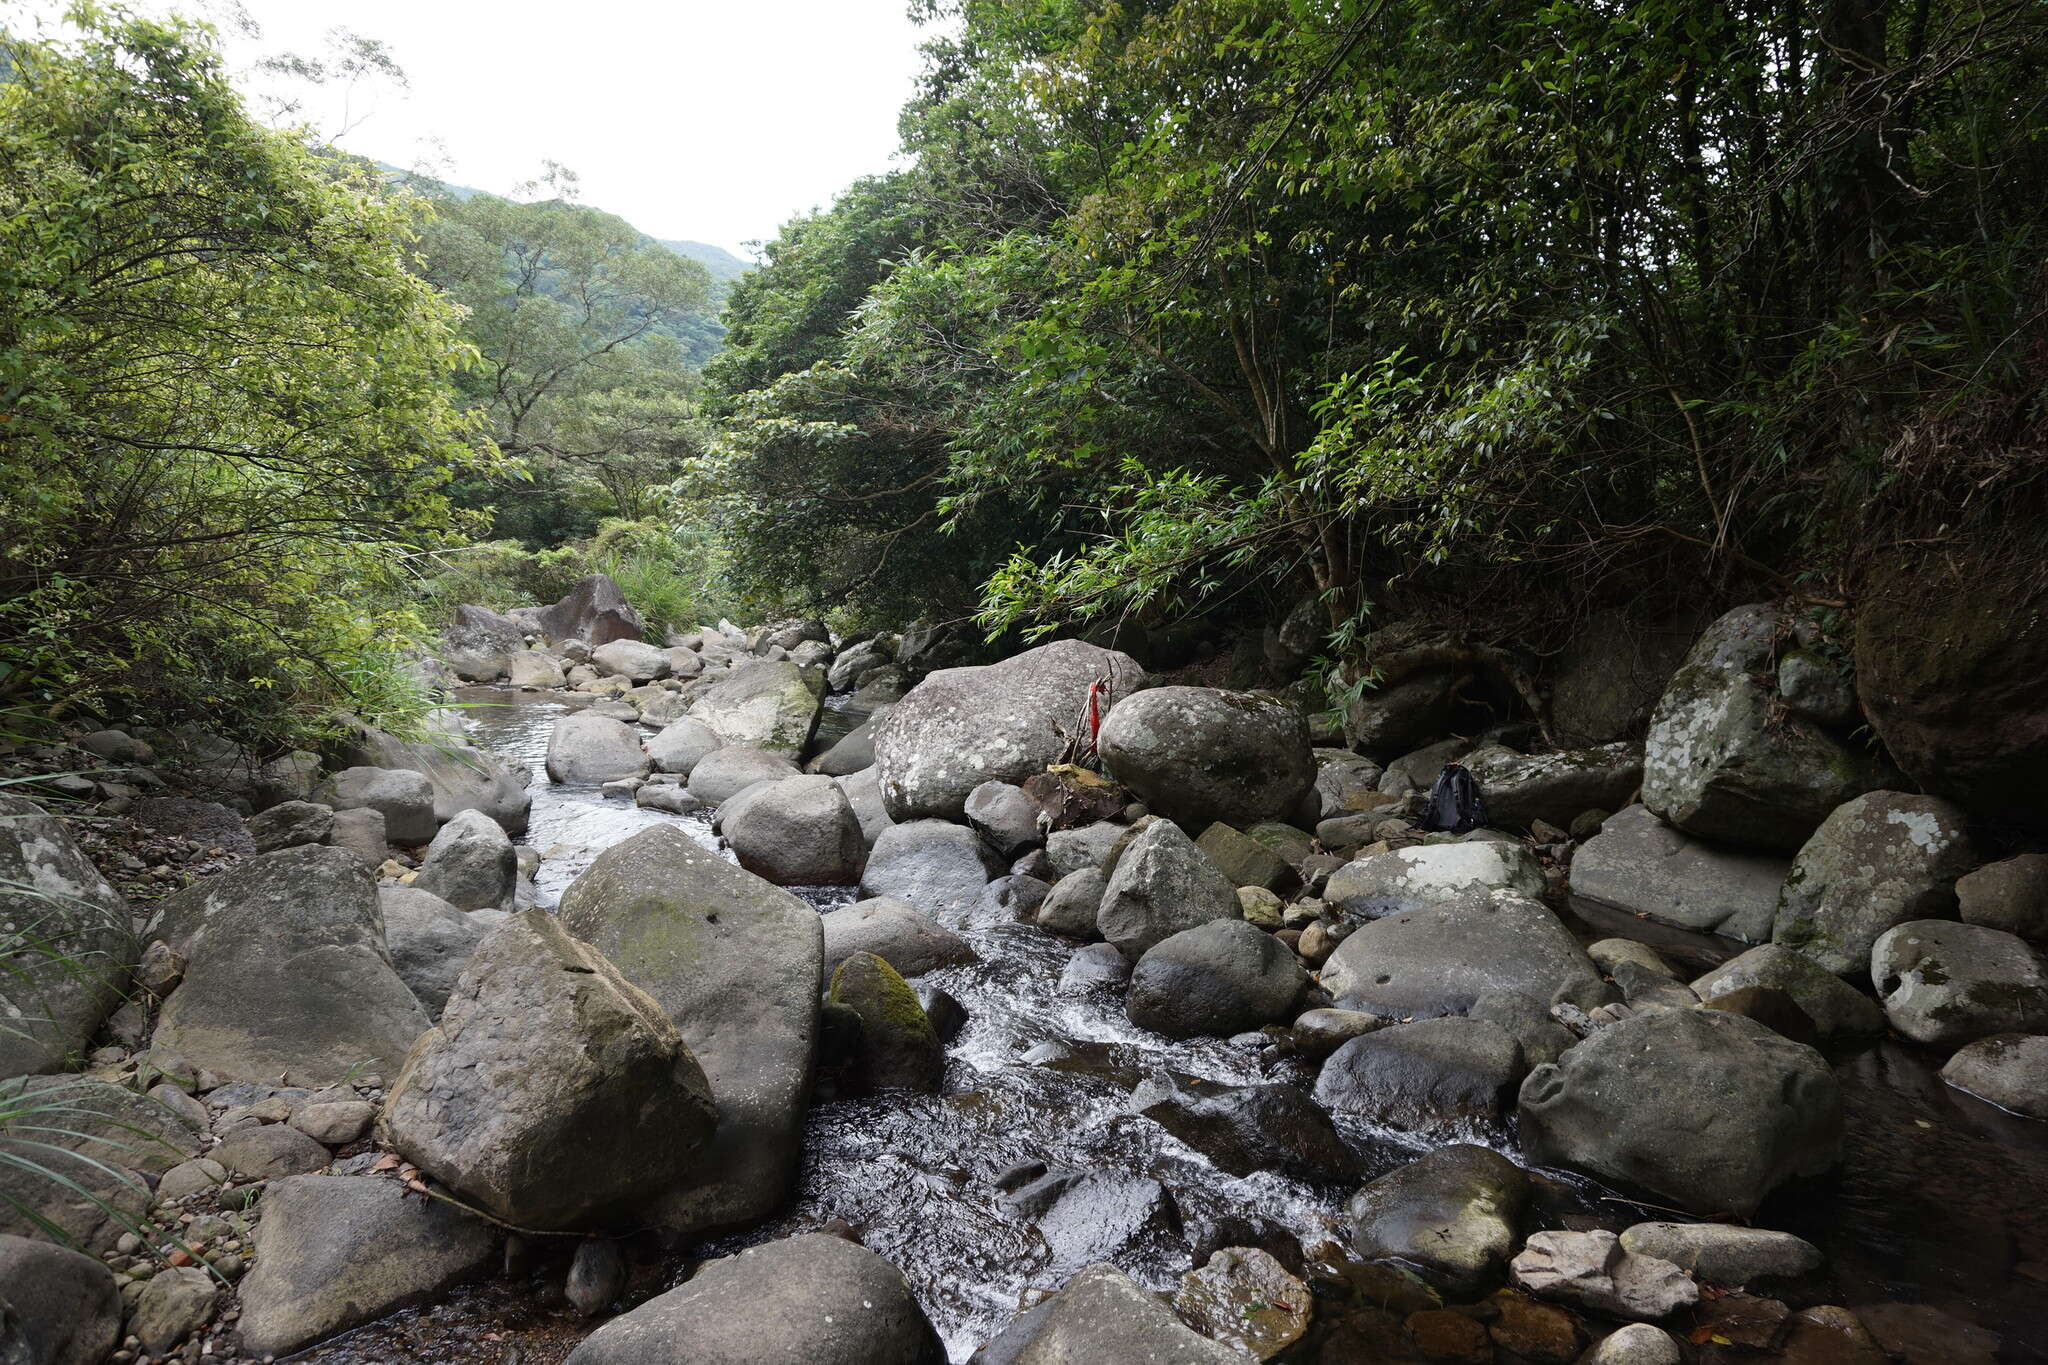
<point x="1923" y="1210"/>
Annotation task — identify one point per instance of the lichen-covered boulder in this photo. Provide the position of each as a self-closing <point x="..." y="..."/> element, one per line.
<point x="1639" y="864"/>
<point x="1199" y="755"/>
<point x="1947" y="983"/>
<point x="770" y="706"/>
<point x="1443" y="959"/>
<point x="1700" y="1109"/>
<point x="962" y="727"/>
<point x="734" y="962"/>
<point x="1520" y="788"/>
<point x="1722" y="761"/>
<point x="554" y="1094"/>
<point x="899" y="1049"/>
<point x="66" y="944"/>
<point x="1382" y="884"/>
<point x="1879" y="860"/>
<point x="1161" y="885"/>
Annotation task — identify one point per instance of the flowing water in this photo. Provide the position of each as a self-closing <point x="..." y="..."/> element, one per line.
<point x="1924" y="1212"/>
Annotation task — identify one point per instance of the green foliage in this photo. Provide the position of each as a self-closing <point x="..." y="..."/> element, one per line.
<point x="228" y="417"/>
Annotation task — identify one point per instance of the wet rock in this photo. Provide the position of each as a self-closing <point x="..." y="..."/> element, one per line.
<point x="1636" y="1344"/>
<point x="1836" y="1009"/>
<point x="290" y="823"/>
<point x="333" y="1252"/>
<point x="1722" y="761"/>
<point x="1245" y="1298"/>
<point x="1698" y="1108"/>
<point x="735" y="963"/>
<point x="1093" y="1215"/>
<point x="725" y="773"/>
<point x="470" y="864"/>
<point x="1098" y="964"/>
<point x="174" y="1304"/>
<point x="899" y="1049"/>
<point x="1947" y="983"/>
<point x="1829" y="1335"/>
<point x="56" y="1306"/>
<point x="1251" y="1128"/>
<point x="935" y="867"/>
<point x="1004" y="816"/>
<point x="1723" y="1254"/>
<point x="270" y="1151"/>
<point x="1877" y="861"/>
<point x="800" y="831"/>
<point x="461" y="776"/>
<point x="1071" y="906"/>
<point x="1219" y="978"/>
<point x="1594" y="1271"/>
<point x="681" y="746"/>
<point x="287" y="972"/>
<point x="2008" y="1069"/>
<point x="1244" y="861"/>
<point x="597" y="1276"/>
<point x="1444" y="959"/>
<point x="1528" y="1021"/>
<point x="1641" y="865"/>
<point x="1199" y="755"/>
<point x="1540" y="1333"/>
<point x="1921" y="1334"/>
<point x="587" y="749"/>
<point x="1320" y="1032"/>
<point x="553" y="1094"/>
<point x="1011" y="899"/>
<point x="1162" y="884"/>
<point x="1007" y="721"/>
<point x="911" y="943"/>
<point x="1381" y="884"/>
<point x="1102" y="1316"/>
<point x="767" y="705"/>
<point x="947" y="1015"/>
<point x="1451" y="1216"/>
<point x="50" y="893"/>
<point x="430" y="942"/>
<point x="807" y="1300"/>
<point x="1072" y="850"/>
<point x="1522" y="788"/>
<point x="1428" y="1074"/>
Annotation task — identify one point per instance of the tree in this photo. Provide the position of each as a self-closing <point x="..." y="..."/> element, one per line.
<point x="227" y="401"/>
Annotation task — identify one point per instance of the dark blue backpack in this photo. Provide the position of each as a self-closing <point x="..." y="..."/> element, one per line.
<point x="1454" y="804"/>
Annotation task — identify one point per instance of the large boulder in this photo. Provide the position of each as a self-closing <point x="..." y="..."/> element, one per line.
<point x="1221" y="978"/>
<point x="1006" y="817"/>
<point x="812" y="1299"/>
<point x="962" y="727"/>
<point x="462" y="776"/>
<point x="1700" y="1109"/>
<point x="554" y="1094"/>
<point x="102" y="1143"/>
<point x="57" y="1307"/>
<point x="635" y="659"/>
<point x="771" y="706"/>
<point x="287" y="972"/>
<point x="1444" y="959"/>
<point x="479" y="644"/>
<point x="402" y="796"/>
<point x="1640" y="865"/>
<point x="430" y="942"/>
<point x="1947" y="984"/>
<point x="724" y="773"/>
<point x="2008" y="1069"/>
<point x="470" y="864"/>
<point x="735" y="964"/>
<point x="1198" y="755"/>
<point x="1612" y="671"/>
<point x="2011" y="894"/>
<point x="66" y="945"/>
<point x="1951" y="647"/>
<point x="1433" y="1073"/>
<point x="1451" y="1216"/>
<point x="1161" y="885"/>
<point x="595" y="612"/>
<point x="588" y="750"/>
<point x="1837" y="1009"/>
<point x="1724" y="761"/>
<point x="1381" y="884"/>
<point x="334" y="1252"/>
<point x="1879" y="860"/>
<point x="1102" y="1316"/>
<point x="895" y="932"/>
<point x="1521" y="788"/>
<point x="681" y="746"/>
<point x="531" y="669"/>
<point x="935" y="867"/>
<point x="797" y="832"/>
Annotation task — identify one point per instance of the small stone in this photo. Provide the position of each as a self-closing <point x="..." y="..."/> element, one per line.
<point x="1245" y="1298"/>
<point x="1450" y="1338"/>
<point x="1537" y="1332"/>
<point x="335" y="1123"/>
<point x="1593" y="1270"/>
<point x="188" y="1178"/>
<point x="597" y="1276"/>
<point x="1637" y="1344"/>
<point x="171" y="1307"/>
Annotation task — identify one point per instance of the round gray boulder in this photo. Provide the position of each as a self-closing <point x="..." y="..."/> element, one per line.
<point x="1947" y="983"/>
<point x="470" y="864"/>
<point x="800" y="831"/>
<point x="1428" y="1074"/>
<point x="1161" y="885"/>
<point x="430" y="942"/>
<point x="588" y="750"/>
<point x="1879" y="860"/>
<point x="1198" y="755"/>
<point x="935" y="867"/>
<point x="1220" y="978"/>
<point x="57" y="1307"/>
<point x="681" y="746"/>
<point x="895" y="932"/>
<point x="404" y="798"/>
<point x="1444" y="959"/>
<point x="2008" y="1069"/>
<point x="724" y="773"/>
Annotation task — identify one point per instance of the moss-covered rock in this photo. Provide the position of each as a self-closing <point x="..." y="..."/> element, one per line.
<point x="899" y="1049"/>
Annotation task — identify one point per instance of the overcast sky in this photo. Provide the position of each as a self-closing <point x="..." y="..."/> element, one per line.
<point x="714" y="122"/>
